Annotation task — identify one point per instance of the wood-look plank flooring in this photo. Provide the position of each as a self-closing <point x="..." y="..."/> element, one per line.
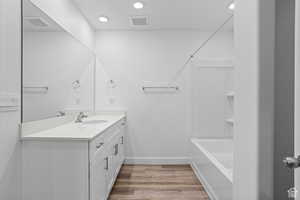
<point x="158" y="182"/>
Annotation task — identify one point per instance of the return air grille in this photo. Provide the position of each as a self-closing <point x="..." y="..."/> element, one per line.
<point x="139" y="21"/>
<point x="37" y="21"/>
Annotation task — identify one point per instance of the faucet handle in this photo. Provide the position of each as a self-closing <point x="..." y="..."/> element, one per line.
<point x="83" y="115"/>
<point x="80" y="116"/>
<point x="60" y="114"/>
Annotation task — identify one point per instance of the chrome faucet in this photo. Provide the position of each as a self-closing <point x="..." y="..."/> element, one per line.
<point x="60" y="114"/>
<point x="79" y="117"/>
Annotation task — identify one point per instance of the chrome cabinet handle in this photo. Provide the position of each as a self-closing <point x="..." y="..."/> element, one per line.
<point x="99" y="145"/>
<point x="122" y="140"/>
<point x="106" y="167"/>
<point x="116" y="149"/>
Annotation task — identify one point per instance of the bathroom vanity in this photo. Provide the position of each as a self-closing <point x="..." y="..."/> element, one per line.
<point x="73" y="161"/>
<point x="65" y="156"/>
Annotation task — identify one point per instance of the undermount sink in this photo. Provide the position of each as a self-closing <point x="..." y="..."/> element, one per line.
<point x="94" y="122"/>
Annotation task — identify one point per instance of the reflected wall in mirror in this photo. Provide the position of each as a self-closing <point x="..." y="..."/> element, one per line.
<point x="57" y="68"/>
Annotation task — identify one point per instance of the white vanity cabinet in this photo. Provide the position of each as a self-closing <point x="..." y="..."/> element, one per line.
<point x="98" y="176"/>
<point x="70" y="169"/>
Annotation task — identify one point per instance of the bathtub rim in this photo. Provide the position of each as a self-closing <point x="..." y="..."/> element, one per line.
<point x="212" y="158"/>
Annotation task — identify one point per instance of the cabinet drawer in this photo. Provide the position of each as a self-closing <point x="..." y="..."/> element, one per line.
<point x="97" y="144"/>
<point x="102" y="141"/>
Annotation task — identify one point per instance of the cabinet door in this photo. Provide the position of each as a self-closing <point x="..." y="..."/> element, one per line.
<point x="111" y="165"/>
<point x="122" y="142"/>
<point x="121" y="148"/>
<point x="98" y="177"/>
<point x="113" y="154"/>
<point x="118" y="151"/>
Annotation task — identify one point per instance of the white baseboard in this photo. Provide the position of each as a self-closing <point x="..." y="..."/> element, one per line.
<point x="157" y="160"/>
<point x="206" y="185"/>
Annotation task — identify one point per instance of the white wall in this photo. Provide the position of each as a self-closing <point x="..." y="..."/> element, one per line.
<point x="254" y="50"/>
<point x="10" y="82"/>
<point x="56" y="60"/>
<point x="68" y="16"/>
<point x="158" y="123"/>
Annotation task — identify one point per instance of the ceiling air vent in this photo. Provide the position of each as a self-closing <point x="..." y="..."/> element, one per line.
<point x="139" y="21"/>
<point x="37" y="21"/>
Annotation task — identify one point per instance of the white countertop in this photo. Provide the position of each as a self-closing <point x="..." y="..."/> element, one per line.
<point x="77" y="131"/>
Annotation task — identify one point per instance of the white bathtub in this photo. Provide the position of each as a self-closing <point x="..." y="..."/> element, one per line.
<point x="212" y="161"/>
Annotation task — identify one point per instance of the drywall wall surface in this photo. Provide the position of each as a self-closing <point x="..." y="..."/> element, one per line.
<point x="158" y="123"/>
<point x="10" y="85"/>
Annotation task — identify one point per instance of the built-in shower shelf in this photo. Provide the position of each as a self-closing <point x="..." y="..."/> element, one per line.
<point x="230" y="121"/>
<point x="230" y="94"/>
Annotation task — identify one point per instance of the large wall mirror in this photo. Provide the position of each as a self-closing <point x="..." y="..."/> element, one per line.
<point x="58" y="70"/>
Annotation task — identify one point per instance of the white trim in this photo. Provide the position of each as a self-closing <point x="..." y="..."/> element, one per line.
<point x="206" y="185"/>
<point x="157" y="160"/>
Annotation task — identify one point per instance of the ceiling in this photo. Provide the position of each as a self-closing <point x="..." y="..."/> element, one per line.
<point x="205" y="15"/>
<point x="33" y="13"/>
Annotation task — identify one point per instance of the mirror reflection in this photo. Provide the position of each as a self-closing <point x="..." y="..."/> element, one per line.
<point x="57" y="68"/>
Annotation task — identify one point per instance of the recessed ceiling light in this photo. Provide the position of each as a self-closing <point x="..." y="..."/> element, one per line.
<point x="103" y="19"/>
<point x="231" y="6"/>
<point x="138" y="5"/>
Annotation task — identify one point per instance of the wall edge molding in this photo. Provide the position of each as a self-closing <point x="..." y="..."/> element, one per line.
<point x="205" y="184"/>
<point x="157" y="160"/>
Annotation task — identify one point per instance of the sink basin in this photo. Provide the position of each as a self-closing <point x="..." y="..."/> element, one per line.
<point x="94" y="122"/>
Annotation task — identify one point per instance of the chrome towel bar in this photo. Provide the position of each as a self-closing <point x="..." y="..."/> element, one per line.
<point x="36" y="88"/>
<point x="168" y="88"/>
